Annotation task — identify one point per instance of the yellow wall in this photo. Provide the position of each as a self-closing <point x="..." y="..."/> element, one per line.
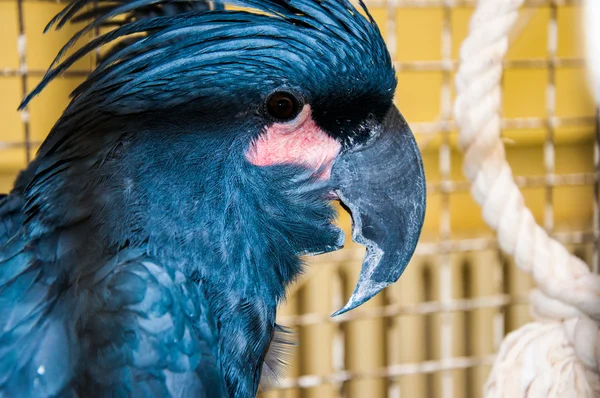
<point x="370" y="345"/>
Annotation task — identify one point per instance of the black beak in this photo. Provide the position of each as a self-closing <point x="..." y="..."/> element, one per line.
<point x="382" y="184"/>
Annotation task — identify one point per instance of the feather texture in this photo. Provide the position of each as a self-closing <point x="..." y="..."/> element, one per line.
<point x="140" y="253"/>
<point x="146" y="328"/>
<point x="277" y="357"/>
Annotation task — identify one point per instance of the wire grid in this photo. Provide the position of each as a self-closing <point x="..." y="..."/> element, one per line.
<point x="444" y="247"/>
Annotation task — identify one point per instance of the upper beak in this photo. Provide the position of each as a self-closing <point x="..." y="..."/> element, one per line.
<point x="382" y="184"/>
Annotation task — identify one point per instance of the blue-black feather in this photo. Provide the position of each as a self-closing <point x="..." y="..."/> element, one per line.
<point x="140" y="245"/>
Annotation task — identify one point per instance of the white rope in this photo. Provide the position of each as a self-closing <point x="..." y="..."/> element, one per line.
<point x="590" y="17"/>
<point x="558" y="355"/>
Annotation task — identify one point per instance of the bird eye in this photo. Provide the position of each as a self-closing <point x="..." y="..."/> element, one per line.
<point x="283" y="106"/>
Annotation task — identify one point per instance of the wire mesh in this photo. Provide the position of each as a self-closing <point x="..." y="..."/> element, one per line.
<point x="434" y="333"/>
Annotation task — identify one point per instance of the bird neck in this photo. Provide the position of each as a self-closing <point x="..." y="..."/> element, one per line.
<point x="245" y="248"/>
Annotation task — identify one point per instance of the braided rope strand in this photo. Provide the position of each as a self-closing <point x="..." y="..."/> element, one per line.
<point x="559" y="354"/>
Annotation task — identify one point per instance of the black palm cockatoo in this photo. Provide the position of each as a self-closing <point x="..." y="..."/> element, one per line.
<point x="144" y="250"/>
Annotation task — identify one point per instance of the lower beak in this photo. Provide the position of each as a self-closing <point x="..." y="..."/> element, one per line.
<point x="382" y="184"/>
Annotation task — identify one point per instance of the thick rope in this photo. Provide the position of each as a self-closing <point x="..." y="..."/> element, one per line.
<point x="591" y="15"/>
<point x="558" y="355"/>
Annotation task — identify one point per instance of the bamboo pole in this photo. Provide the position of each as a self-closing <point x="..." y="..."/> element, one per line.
<point x="455" y="326"/>
<point x="518" y="284"/>
<point x="316" y="354"/>
<point x="365" y="342"/>
<point x="484" y="326"/>
<point x="406" y="334"/>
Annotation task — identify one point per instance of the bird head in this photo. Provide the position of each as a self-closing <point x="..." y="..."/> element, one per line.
<point x="307" y="84"/>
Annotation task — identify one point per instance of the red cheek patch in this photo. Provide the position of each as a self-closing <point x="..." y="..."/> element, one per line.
<point x="299" y="142"/>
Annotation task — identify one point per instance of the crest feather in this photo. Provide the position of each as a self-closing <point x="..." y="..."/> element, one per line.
<point x="145" y="28"/>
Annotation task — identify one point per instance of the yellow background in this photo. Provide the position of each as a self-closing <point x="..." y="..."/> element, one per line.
<point x="416" y="337"/>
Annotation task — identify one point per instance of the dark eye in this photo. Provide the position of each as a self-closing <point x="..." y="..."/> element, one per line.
<point x="283" y="106"/>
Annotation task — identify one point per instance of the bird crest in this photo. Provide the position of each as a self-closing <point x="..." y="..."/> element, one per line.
<point x="171" y="45"/>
